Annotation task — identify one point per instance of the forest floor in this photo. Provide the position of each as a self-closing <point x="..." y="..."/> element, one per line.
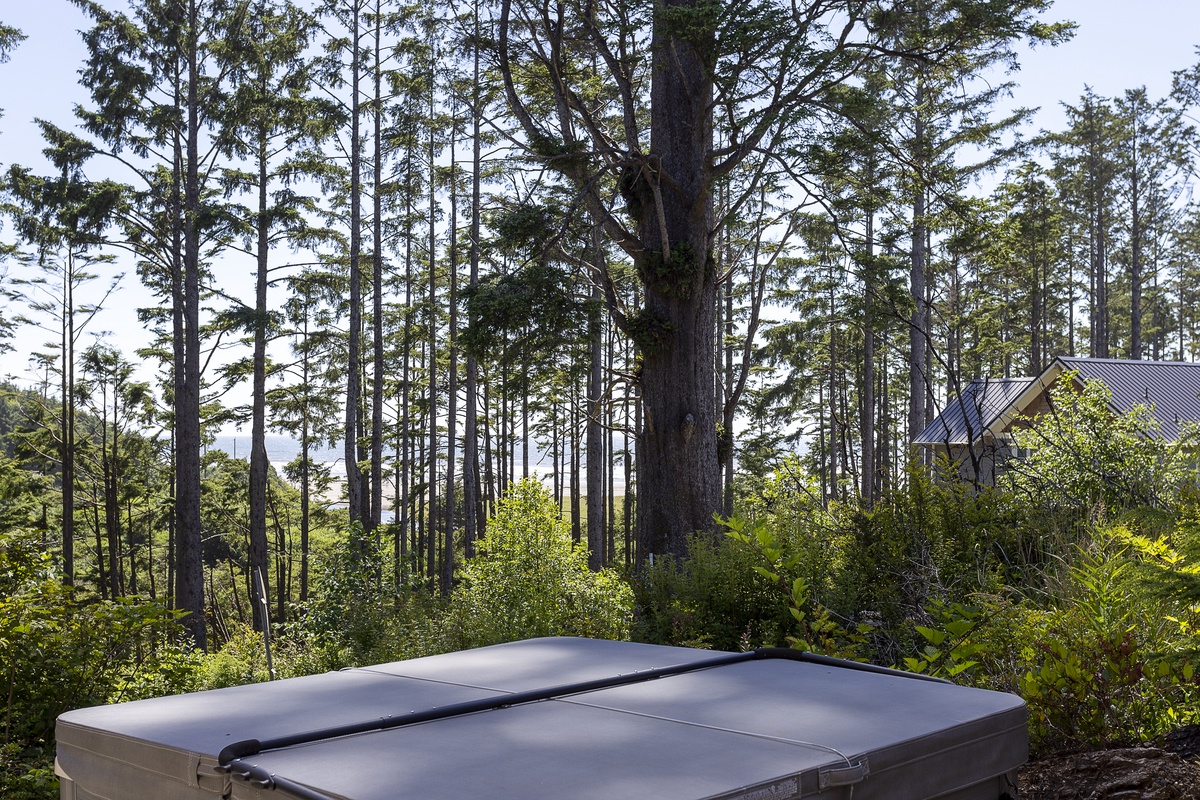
<point x="1169" y="770"/>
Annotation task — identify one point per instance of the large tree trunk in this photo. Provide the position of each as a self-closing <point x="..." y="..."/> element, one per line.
<point x="68" y="423"/>
<point x="451" y="379"/>
<point x="376" y="499"/>
<point x="678" y="471"/>
<point x="112" y="511"/>
<point x="918" y="333"/>
<point x="867" y="401"/>
<point x="1136" y="273"/>
<point x="431" y="341"/>
<point x="471" y="489"/>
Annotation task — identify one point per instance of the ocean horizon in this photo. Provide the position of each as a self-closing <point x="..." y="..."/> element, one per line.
<point x="284" y="449"/>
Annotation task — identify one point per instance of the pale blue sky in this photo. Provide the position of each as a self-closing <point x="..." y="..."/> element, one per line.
<point x="1120" y="44"/>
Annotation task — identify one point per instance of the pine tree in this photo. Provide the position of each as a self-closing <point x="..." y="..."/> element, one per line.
<point x="155" y="98"/>
<point x="667" y="73"/>
<point x="1155" y="144"/>
<point x="272" y="123"/>
<point x="345" y="68"/>
<point x="1086" y="169"/>
<point x="63" y="218"/>
<point x="944" y="109"/>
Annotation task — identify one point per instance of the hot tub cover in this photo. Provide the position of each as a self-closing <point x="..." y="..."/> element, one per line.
<point x="558" y="718"/>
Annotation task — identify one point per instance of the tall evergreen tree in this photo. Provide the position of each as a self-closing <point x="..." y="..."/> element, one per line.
<point x="63" y="218"/>
<point x="945" y="108"/>
<point x="667" y="73"/>
<point x="9" y="38"/>
<point x="1086" y="170"/>
<point x="1155" y="148"/>
<point x="156" y="93"/>
<point x="272" y="123"/>
<point x="345" y="69"/>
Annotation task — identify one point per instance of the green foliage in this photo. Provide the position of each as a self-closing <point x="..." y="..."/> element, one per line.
<point x="1085" y="458"/>
<point x="949" y="648"/>
<point x="816" y="631"/>
<point x="529" y="316"/>
<point x="1170" y="564"/>
<point x="713" y="598"/>
<point x="649" y="329"/>
<point x="530" y="580"/>
<point x="675" y="275"/>
<point x="1096" y="664"/>
<point x="1097" y="672"/>
<point x="876" y="571"/>
<point x="242" y="659"/>
<point x="349" y="610"/>
<point x="58" y="653"/>
<point x="27" y="773"/>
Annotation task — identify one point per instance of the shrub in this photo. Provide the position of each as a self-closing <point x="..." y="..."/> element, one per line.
<point x="1097" y="673"/>
<point x="58" y="653"/>
<point x="1083" y="458"/>
<point x="1094" y="666"/>
<point x="345" y="621"/>
<point x="814" y="627"/>
<point x="713" y="598"/>
<point x="530" y="580"/>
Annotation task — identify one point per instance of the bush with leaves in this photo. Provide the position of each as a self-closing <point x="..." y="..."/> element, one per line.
<point x="59" y="652"/>
<point x="1083" y="458"/>
<point x="352" y="617"/>
<point x="1092" y="655"/>
<point x="528" y="580"/>
<point x="815" y="628"/>
<point x="712" y="598"/>
<point x="1099" y="672"/>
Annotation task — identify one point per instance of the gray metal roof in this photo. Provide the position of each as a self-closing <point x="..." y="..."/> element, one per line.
<point x="1172" y="387"/>
<point x="968" y="414"/>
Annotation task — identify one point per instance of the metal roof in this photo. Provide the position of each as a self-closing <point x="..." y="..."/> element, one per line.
<point x="969" y="414"/>
<point x="1171" y="387"/>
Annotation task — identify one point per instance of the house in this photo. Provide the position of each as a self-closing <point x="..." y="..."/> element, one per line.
<point x="975" y="428"/>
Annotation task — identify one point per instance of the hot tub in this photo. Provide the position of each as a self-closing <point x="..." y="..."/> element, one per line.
<point x="561" y="718"/>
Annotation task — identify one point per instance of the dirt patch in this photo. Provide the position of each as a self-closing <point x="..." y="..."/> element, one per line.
<point x="1136" y="773"/>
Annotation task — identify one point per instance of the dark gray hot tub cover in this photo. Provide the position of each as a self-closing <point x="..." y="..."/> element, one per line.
<point x="761" y="728"/>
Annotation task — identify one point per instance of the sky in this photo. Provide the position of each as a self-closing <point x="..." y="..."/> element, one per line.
<point x="1120" y="44"/>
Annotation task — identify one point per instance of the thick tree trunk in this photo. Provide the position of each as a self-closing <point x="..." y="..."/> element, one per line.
<point x="112" y="512"/>
<point x="407" y="461"/>
<point x="729" y="410"/>
<point x="471" y="489"/>
<point x="867" y="402"/>
<point x="376" y="499"/>
<point x="918" y="334"/>
<point x="431" y="343"/>
<point x="451" y="381"/>
<point x="1136" y="272"/>
<point x="678" y="471"/>
<point x="576" y="515"/>
<point x="68" y="423"/>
